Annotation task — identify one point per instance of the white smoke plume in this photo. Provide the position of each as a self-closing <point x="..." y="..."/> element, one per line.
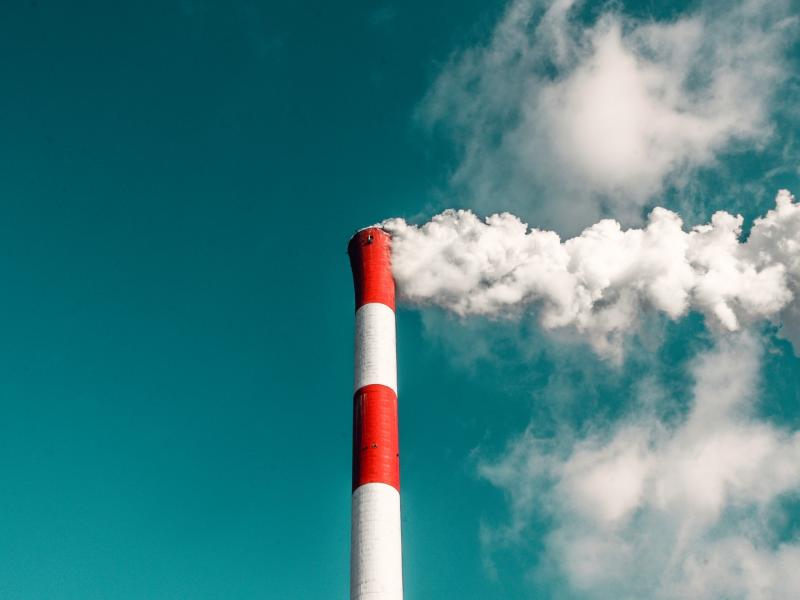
<point x="602" y="281"/>
<point x="566" y="113"/>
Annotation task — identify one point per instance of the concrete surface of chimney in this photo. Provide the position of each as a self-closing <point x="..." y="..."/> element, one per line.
<point x="375" y="547"/>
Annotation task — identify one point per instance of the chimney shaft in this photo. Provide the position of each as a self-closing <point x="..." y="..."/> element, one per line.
<point x="375" y="545"/>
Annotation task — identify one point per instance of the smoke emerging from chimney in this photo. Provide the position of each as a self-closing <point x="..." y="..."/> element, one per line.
<point x="602" y="281"/>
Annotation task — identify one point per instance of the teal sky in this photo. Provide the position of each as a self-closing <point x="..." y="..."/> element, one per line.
<point x="177" y="186"/>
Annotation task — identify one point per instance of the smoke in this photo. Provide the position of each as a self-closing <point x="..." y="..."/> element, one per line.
<point x="602" y="281"/>
<point x="569" y="112"/>
<point x="652" y="509"/>
<point x="610" y="113"/>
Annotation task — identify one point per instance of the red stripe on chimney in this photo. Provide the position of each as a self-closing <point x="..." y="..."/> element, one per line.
<point x="370" y="260"/>
<point x="376" y="450"/>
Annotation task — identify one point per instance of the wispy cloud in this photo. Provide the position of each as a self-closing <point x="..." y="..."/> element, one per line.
<point x="653" y="509"/>
<point x="563" y="121"/>
<point x="564" y="116"/>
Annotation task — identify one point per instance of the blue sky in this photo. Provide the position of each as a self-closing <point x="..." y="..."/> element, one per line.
<point x="178" y="185"/>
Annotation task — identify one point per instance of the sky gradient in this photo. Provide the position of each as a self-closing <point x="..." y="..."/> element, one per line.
<point x="179" y="183"/>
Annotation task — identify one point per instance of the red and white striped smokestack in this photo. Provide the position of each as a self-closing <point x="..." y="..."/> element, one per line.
<point x="376" y="570"/>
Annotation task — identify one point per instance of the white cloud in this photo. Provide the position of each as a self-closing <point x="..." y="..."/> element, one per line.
<point x="564" y="121"/>
<point x="560" y="121"/>
<point x="601" y="282"/>
<point x="654" y="510"/>
<point x="775" y="239"/>
<point x="606" y="483"/>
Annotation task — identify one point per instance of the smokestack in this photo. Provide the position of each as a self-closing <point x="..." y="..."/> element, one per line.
<point x="376" y="570"/>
